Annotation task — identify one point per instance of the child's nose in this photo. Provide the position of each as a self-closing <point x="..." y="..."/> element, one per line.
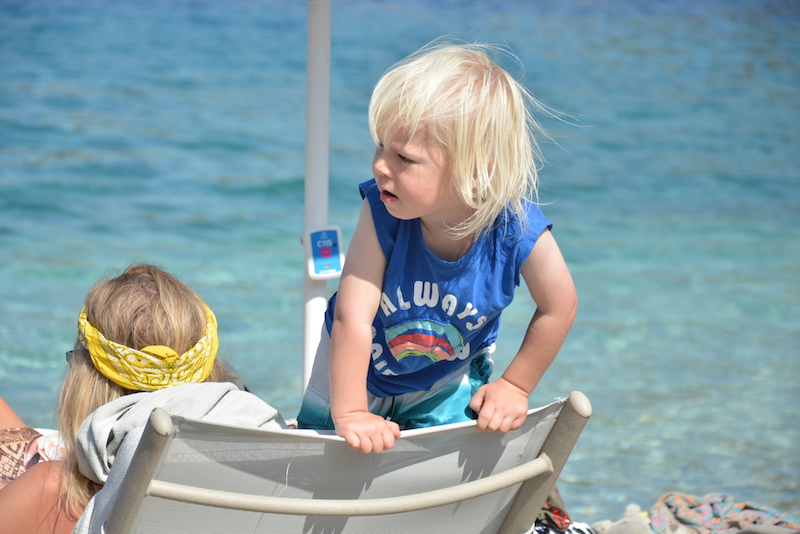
<point x="379" y="165"/>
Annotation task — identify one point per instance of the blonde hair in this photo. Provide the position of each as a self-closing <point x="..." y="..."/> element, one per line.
<point x="479" y="115"/>
<point x="143" y="306"/>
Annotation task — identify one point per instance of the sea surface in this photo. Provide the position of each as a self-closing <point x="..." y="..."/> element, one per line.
<point x="173" y="131"/>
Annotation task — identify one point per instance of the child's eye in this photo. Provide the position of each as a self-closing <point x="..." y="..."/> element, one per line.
<point x="404" y="159"/>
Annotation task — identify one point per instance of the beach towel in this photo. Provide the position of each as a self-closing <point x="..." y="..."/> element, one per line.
<point x="714" y="513"/>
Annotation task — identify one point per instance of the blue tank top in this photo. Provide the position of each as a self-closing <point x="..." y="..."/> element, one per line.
<point x="437" y="315"/>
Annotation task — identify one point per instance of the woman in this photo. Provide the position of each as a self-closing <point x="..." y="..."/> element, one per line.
<point x="145" y="339"/>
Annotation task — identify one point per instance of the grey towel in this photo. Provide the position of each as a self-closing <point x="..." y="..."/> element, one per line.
<point x="110" y="435"/>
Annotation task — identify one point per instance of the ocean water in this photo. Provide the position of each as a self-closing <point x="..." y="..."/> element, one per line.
<point x="174" y="132"/>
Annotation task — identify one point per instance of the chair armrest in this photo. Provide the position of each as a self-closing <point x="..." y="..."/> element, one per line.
<point x="352" y="507"/>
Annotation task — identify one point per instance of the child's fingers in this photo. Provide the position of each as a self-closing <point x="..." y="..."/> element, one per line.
<point x="476" y="403"/>
<point x="362" y="442"/>
<point x="497" y="422"/>
<point x="352" y="440"/>
<point x="486" y="415"/>
<point x="510" y="422"/>
<point x="394" y="428"/>
<point x="388" y="439"/>
<point x="372" y="438"/>
<point x="484" y="410"/>
<point x="494" y="421"/>
<point x="380" y="441"/>
<point x="389" y="433"/>
<point x="367" y="445"/>
<point x="499" y="416"/>
<point x="501" y="407"/>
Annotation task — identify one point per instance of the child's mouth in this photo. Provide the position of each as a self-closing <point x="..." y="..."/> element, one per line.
<point x="386" y="196"/>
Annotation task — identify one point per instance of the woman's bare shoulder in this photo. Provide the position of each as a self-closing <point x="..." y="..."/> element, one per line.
<point x="29" y="504"/>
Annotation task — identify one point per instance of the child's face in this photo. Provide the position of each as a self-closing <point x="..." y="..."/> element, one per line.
<point x="414" y="180"/>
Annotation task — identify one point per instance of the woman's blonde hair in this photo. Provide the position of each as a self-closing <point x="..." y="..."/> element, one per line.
<point x="143" y="306"/>
<point x="479" y="115"/>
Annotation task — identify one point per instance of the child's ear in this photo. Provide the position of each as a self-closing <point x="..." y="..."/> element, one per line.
<point x="477" y="173"/>
<point x="480" y="181"/>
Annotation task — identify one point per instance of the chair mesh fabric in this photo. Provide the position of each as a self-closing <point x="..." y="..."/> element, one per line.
<point x="309" y="464"/>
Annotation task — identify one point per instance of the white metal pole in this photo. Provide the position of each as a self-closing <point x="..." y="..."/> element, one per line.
<point x="318" y="84"/>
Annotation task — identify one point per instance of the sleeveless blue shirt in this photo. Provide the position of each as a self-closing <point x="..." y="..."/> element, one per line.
<point x="436" y="315"/>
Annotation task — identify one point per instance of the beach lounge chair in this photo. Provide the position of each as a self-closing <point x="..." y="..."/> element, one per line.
<point x="190" y="476"/>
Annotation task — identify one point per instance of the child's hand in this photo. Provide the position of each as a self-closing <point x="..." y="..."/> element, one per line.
<point x="501" y="406"/>
<point x="367" y="432"/>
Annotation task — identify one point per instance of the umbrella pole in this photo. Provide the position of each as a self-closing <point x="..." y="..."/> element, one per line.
<point x="317" y="147"/>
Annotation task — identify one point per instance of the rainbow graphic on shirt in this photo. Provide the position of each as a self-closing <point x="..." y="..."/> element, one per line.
<point x="416" y="338"/>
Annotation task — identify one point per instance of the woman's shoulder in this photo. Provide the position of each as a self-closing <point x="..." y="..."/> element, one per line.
<point x="30" y="503"/>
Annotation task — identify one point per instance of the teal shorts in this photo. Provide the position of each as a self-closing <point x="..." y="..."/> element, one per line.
<point x="446" y="402"/>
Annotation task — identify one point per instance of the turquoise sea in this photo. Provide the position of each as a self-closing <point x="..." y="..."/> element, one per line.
<point x="173" y="131"/>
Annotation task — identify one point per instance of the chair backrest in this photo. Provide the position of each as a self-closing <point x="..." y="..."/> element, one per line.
<point x="191" y="476"/>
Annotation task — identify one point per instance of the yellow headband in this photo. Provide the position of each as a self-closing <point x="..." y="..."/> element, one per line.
<point x="153" y="367"/>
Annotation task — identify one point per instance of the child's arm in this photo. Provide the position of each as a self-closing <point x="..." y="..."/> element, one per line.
<point x="503" y="404"/>
<point x="351" y="342"/>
